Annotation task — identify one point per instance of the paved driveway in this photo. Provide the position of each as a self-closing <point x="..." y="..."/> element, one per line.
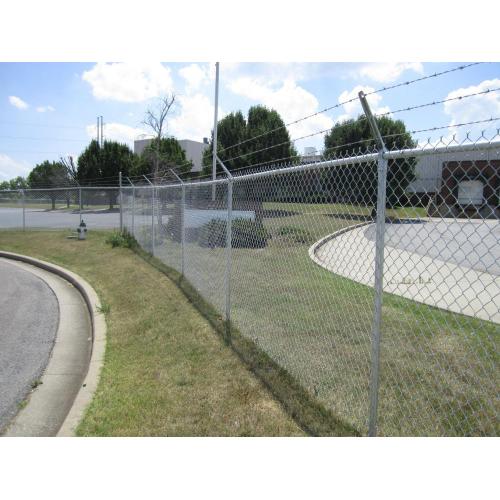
<point x="450" y="265"/>
<point x="12" y="218"/>
<point x="29" y="315"/>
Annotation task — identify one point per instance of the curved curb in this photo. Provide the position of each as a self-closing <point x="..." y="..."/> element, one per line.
<point x="318" y="244"/>
<point x="98" y="324"/>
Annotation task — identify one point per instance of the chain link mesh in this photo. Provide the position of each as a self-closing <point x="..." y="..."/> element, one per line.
<point x="60" y="208"/>
<point x="301" y="270"/>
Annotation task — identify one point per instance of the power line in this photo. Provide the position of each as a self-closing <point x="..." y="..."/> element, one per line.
<point x="41" y="138"/>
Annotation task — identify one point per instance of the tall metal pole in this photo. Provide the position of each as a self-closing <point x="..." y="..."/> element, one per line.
<point x="120" y="197"/>
<point x="214" y="143"/>
<point x="98" y="133"/>
<point x="379" y="266"/>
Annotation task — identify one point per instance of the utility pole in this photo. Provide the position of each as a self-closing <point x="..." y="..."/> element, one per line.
<point x="102" y="132"/>
<point x="214" y="143"/>
<point x="98" y="133"/>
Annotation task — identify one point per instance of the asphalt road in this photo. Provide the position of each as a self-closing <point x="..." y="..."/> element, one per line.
<point x="12" y="218"/>
<point x="473" y="244"/>
<point x="29" y="316"/>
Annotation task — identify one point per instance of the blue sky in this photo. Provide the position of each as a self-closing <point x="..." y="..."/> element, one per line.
<point x="49" y="110"/>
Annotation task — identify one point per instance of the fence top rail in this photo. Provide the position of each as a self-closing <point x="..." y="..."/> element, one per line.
<point x="456" y="148"/>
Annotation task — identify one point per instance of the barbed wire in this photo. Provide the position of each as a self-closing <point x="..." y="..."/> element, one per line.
<point x="370" y="140"/>
<point x="434" y="103"/>
<point x="383" y="89"/>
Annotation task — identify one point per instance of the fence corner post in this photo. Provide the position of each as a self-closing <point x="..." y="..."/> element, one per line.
<point x="379" y="266"/>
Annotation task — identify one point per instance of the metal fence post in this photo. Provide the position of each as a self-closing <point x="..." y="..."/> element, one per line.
<point x="133" y="205"/>
<point x="133" y="211"/>
<point x="80" y="202"/>
<point x="183" y="228"/>
<point x="229" y="254"/>
<point x="153" y="220"/>
<point x="183" y="214"/>
<point x="229" y="226"/>
<point x="120" y="196"/>
<point x="379" y="266"/>
<point x="152" y="216"/>
<point x="24" y="209"/>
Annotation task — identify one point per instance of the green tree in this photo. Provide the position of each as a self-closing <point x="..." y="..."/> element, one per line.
<point x="89" y="163"/>
<point x="160" y="157"/>
<point x="102" y="165"/>
<point x="18" y="183"/>
<point x="49" y="174"/>
<point x="263" y="129"/>
<point x="357" y="182"/>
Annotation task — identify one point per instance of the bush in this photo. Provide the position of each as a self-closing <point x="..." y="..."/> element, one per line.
<point x="246" y="233"/>
<point x="124" y="240"/>
<point x="295" y="234"/>
<point x="249" y="234"/>
<point x="213" y="234"/>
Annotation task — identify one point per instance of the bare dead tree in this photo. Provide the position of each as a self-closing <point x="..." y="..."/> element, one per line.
<point x="156" y="120"/>
<point x="70" y="176"/>
<point x="71" y="168"/>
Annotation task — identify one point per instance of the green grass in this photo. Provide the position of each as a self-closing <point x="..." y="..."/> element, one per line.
<point x="338" y="209"/>
<point x="166" y="371"/>
<point x="439" y="370"/>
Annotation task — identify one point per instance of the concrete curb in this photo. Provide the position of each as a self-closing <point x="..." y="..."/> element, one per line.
<point x="98" y="325"/>
<point x="318" y="244"/>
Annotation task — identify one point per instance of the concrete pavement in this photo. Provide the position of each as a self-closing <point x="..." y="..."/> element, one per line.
<point x="29" y="315"/>
<point x="12" y="218"/>
<point x="48" y="405"/>
<point x="459" y="285"/>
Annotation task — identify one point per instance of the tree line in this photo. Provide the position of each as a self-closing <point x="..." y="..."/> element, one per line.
<point x="258" y="139"/>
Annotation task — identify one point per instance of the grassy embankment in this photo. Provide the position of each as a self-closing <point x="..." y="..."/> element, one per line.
<point x="166" y="372"/>
<point x="438" y="369"/>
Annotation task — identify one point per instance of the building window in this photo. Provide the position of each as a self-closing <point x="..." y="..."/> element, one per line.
<point x="470" y="192"/>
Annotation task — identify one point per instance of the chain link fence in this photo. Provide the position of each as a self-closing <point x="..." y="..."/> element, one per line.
<point x="373" y="280"/>
<point x="289" y="257"/>
<point x="60" y="208"/>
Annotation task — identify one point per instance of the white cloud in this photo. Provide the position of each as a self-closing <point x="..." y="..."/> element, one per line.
<point x="353" y="109"/>
<point x="387" y="72"/>
<point x="196" y="76"/>
<point x="128" y="82"/>
<point x="117" y="132"/>
<point x="17" y="102"/>
<point x="44" y="109"/>
<point x="291" y="101"/>
<point x="10" y="168"/>
<point x="195" y="117"/>
<point x="475" y="108"/>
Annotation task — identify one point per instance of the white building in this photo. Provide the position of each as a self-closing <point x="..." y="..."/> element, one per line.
<point x="194" y="150"/>
<point x="429" y="169"/>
